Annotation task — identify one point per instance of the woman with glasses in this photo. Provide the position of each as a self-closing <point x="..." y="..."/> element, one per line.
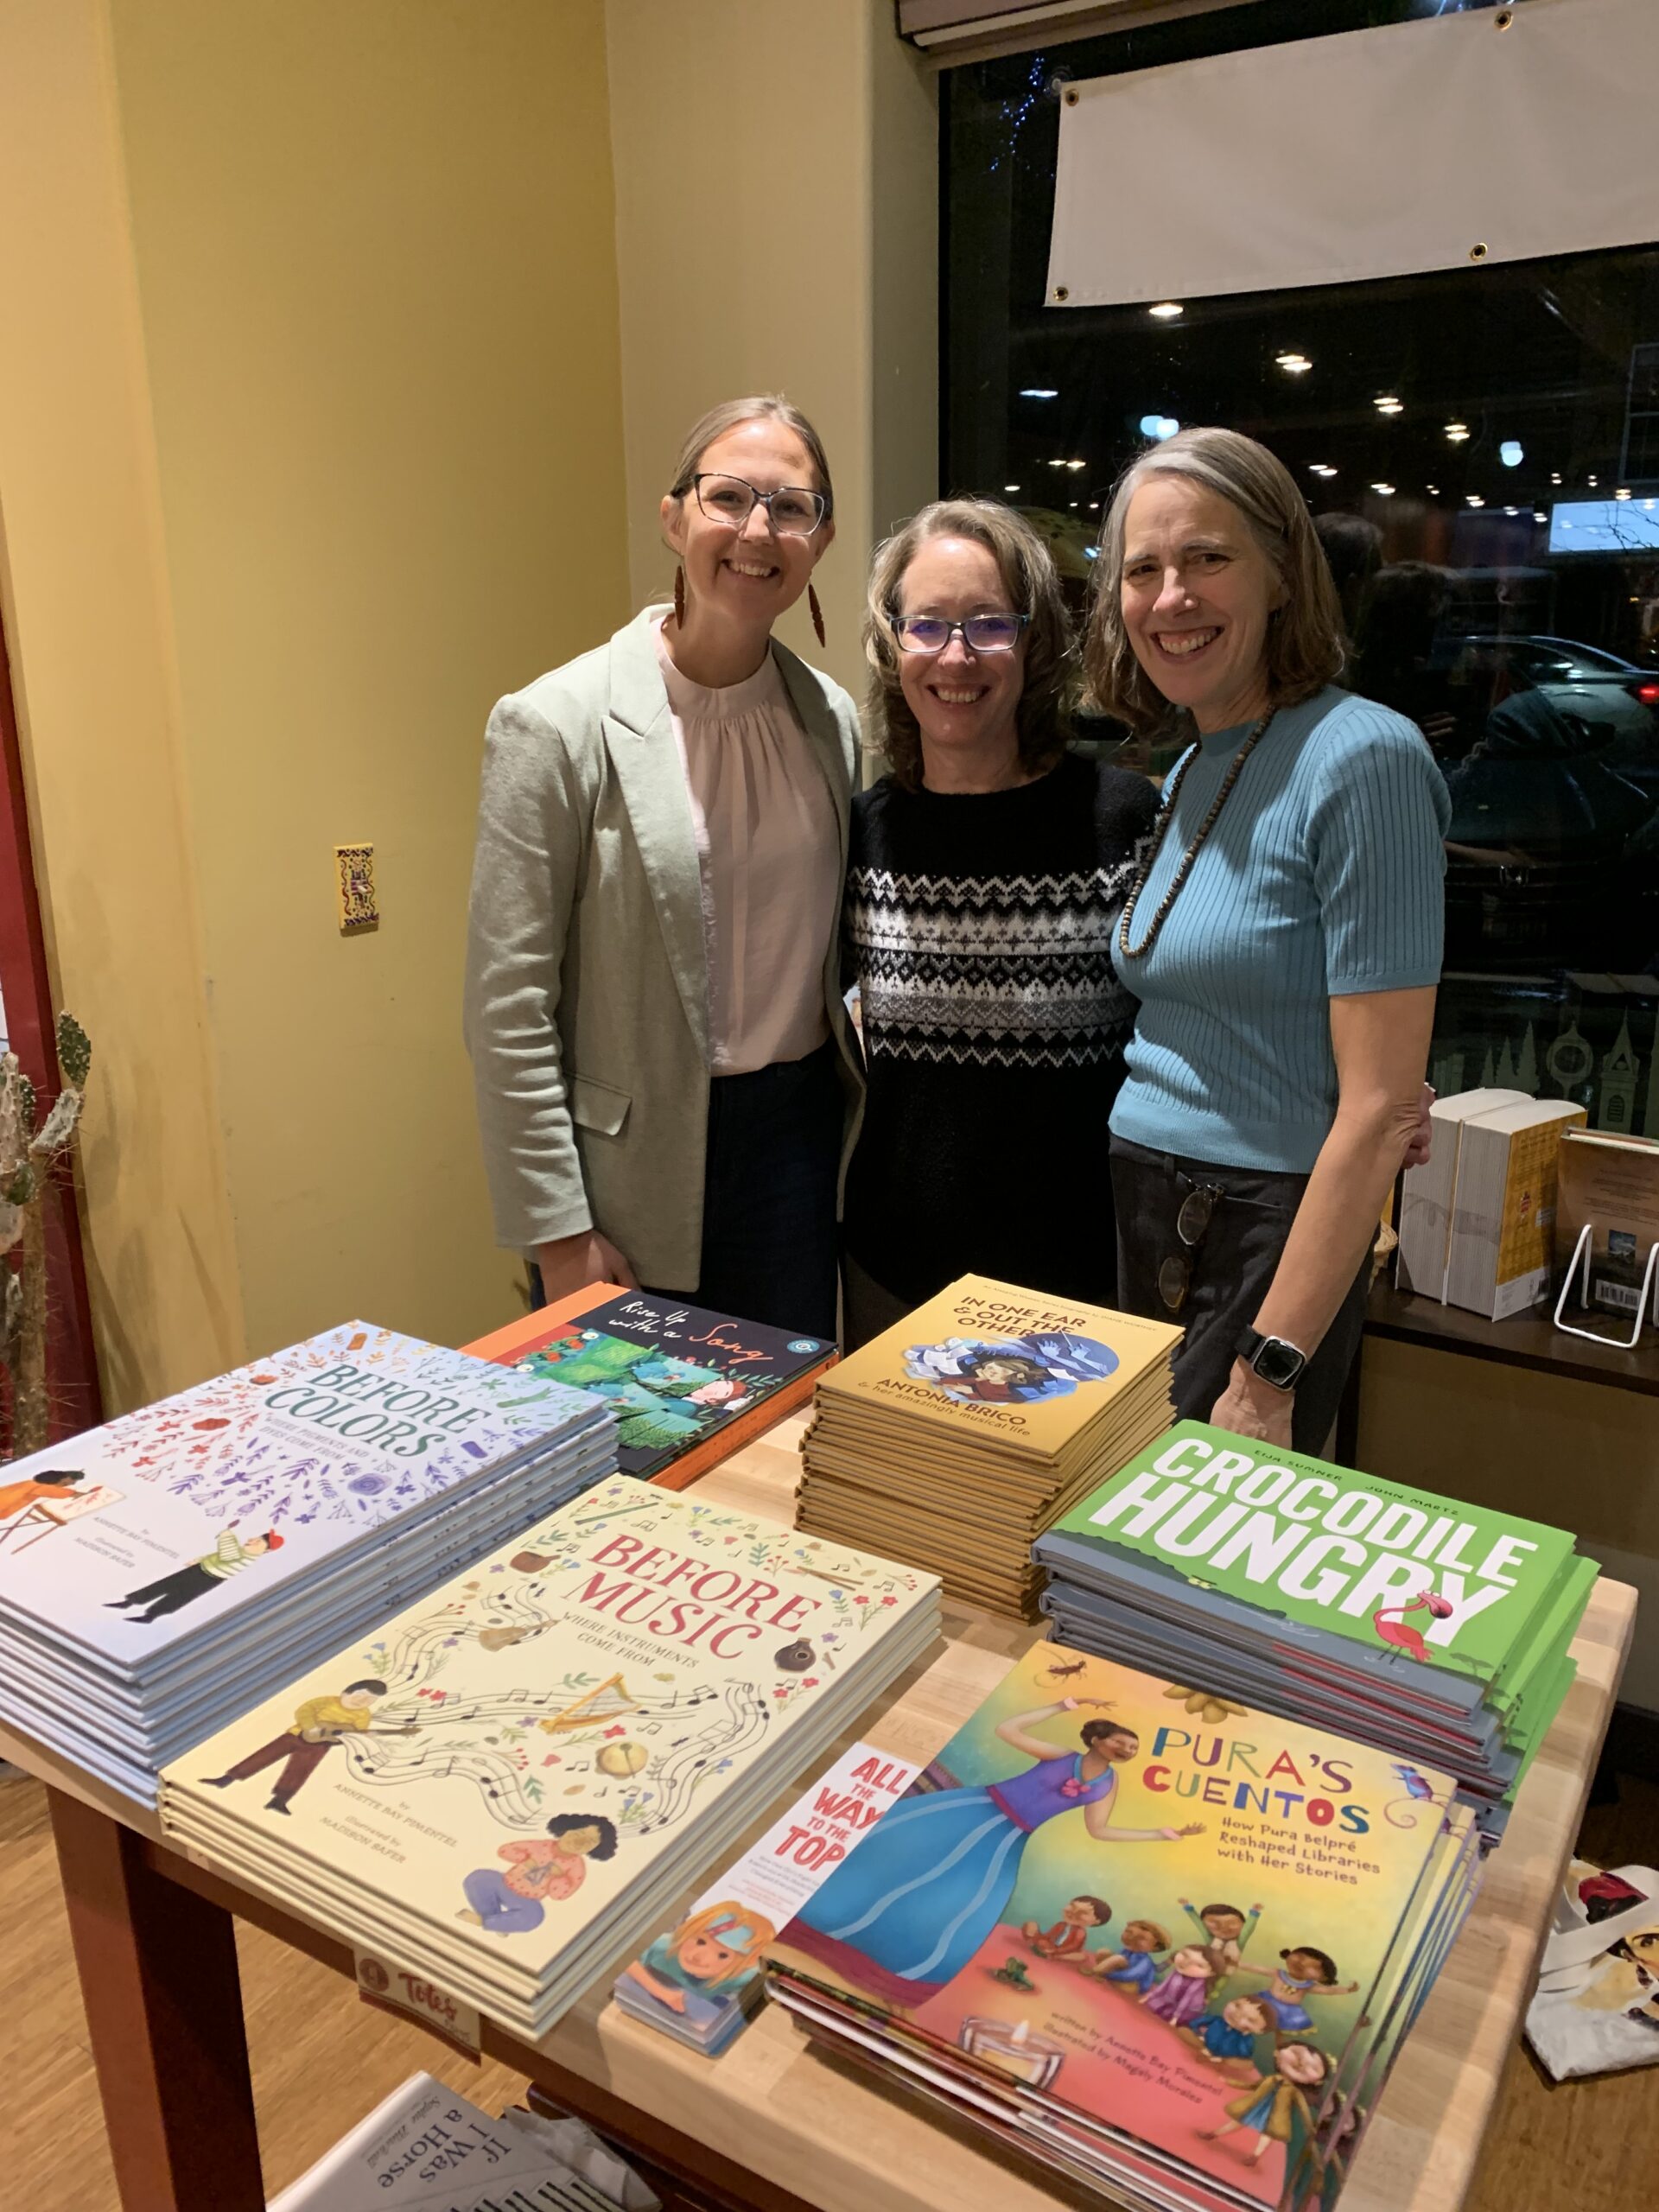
<point x="1283" y="938"/>
<point x="988" y="867"/>
<point x="653" y="1004"/>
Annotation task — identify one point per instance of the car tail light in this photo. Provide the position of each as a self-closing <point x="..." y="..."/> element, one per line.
<point x="1647" y="691"/>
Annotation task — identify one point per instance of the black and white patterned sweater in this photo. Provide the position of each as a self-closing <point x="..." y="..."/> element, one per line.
<point x="979" y="929"/>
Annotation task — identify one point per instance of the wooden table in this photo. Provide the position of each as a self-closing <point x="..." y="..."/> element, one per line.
<point x="768" y="2124"/>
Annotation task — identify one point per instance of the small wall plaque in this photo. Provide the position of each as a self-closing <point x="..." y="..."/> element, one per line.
<point x="359" y="909"/>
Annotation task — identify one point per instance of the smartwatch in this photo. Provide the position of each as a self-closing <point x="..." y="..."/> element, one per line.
<point x="1279" y="1364"/>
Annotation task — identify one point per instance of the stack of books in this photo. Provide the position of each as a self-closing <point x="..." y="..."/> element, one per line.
<point x="1170" y="1955"/>
<point x="1475" y="1221"/>
<point x="954" y="1438"/>
<point x="689" y="1387"/>
<point x="504" y="1788"/>
<point x="426" y="2148"/>
<point x="1429" y="1628"/>
<point x="158" y="1574"/>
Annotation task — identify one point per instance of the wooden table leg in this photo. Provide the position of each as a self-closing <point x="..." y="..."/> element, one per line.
<point x="158" y="1979"/>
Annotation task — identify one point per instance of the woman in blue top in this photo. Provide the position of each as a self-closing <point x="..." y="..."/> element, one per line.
<point x="928" y="1884"/>
<point x="1284" y="939"/>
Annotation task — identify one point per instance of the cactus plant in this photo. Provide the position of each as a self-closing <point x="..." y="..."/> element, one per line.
<point x="30" y="1151"/>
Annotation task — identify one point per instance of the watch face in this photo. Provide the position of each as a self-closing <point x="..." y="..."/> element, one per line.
<point x="1278" y="1363"/>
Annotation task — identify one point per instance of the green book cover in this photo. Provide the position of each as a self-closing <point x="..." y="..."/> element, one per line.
<point x="1394" y="1569"/>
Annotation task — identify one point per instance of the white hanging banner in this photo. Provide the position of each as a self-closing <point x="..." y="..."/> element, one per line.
<point x="1497" y="136"/>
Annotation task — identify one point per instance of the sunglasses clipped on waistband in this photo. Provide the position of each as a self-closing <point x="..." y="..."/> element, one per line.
<point x="1192" y="1223"/>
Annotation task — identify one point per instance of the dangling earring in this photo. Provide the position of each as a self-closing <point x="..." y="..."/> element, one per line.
<point x="815" y="611"/>
<point x="679" y="599"/>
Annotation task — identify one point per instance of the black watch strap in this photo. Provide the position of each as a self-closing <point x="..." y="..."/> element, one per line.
<point x="1279" y="1364"/>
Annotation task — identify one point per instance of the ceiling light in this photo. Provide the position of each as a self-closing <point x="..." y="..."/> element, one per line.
<point x="1091" y="552"/>
<point x="1433" y="490"/>
<point x="1321" y="468"/>
<point x="1038" y="391"/>
<point x="1074" y="502"/>
<point x="1538" y="514"/>
<point x="1094" y="506"/>
<point x="1475" y="499"/>
<point x="1510" y="453"/>
<point x="1593" y="479"/>
<point x="1511" y="511"/>
<point x="1076" y="464"/>
<point x="1057" y="464"/>
<point x="1294" y="365"/>
<point x="1555" y="476"/>
<point x="1623" y="492"/>
<point x="1010" y="487"/>
<point x="1387" y="490"/>
<point x="1389" y="405"/>
<point x="1457" y="432"/>
<point x="1166" y="310"/>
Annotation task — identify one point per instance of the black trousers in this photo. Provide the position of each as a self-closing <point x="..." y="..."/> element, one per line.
<point x="1230" y="1272"/>
<point x="770" y="1170"/>
<point x="173" y="1591"/>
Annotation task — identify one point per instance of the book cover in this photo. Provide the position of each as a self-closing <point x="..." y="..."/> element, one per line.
<point x="1410" y="1578"/>
<point x="1504" y="1209"/>
<point x="505" y="1760"/>
<point x="687" y="1386"/>
<point x="1170" y="1923"/>
<point x="1004" y="1365"/>
<point x="702" y="1978"/>
<point x="212" y="1500"/>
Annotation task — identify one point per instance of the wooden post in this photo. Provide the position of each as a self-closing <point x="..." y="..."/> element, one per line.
<point x="158" y="1979"/>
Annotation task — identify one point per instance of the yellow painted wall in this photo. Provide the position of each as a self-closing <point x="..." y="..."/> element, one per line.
<point x="375" y="266"/>
<point x="777" y="230"/>
<point x="87" y="623"/>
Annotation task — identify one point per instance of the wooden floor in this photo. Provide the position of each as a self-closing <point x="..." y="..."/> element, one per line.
<point x="322" y="2059"/>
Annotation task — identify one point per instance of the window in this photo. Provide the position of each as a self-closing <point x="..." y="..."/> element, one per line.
<point x="1494" y="531"/>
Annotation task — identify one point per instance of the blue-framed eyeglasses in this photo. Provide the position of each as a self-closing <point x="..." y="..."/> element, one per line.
<point x="981" y="633"/>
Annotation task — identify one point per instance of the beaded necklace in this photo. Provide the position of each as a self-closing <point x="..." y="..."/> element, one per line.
<point x="1160" y="829"/>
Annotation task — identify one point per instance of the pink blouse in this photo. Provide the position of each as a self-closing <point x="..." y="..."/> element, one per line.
<point x="769" y="856"/>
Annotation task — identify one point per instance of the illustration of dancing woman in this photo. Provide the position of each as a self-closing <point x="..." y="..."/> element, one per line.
<point x="909" y="1908"/>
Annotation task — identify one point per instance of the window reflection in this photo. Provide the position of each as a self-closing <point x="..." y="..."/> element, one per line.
<point x="1493" y="531"/>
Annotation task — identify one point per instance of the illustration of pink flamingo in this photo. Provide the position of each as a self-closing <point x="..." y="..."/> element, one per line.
<point x="1400" y="1633"/>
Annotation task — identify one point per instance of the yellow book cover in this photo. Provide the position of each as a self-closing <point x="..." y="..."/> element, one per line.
<point x="508" y="1756"/>
<point x="991" y="1361"/>
<point x="1527" y="1221"/>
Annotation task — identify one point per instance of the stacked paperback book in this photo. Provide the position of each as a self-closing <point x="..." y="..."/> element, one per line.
<point x="505" y="1788"/>
<point x="1436" y="1631"/>
<point x="157" y="1575"/>
<point x="428" y="2149"/>
<point x="1476" y="1219"/>
<point x="688" y="1386"/>
<point x="954" y="1438"/>
<point x="1168" y="1956"/>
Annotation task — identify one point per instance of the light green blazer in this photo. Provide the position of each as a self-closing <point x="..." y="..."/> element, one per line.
<point x="586" y="999"/>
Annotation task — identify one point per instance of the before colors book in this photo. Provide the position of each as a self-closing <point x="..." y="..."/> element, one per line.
<point x="1168" y="1952"/>
<point x="687" y="1387"/>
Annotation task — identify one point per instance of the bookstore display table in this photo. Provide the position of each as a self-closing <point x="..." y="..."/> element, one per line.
<point x="765" y="2126"/>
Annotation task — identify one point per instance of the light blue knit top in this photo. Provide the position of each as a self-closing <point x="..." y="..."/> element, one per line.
<point x="1324" y="876"/>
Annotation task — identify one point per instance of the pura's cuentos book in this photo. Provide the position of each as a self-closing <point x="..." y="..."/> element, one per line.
<point x="1385" y="1568"/>
<point x="688" y="1386"/>
<point x="1169" y="1934"/>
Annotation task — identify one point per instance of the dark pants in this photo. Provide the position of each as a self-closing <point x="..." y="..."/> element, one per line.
<point x="300" y="1762"/>
<point x="769" y="1196"/>
<point x="1232" y="1270"/>
<point x="172" y="1591"/>
<point x="867" y="1307"/>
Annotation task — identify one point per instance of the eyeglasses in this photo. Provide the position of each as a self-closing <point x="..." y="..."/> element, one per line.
<point x="1192" y="1223"/>
<point x="792" y="510"/>
<point x="981" y="633"/>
